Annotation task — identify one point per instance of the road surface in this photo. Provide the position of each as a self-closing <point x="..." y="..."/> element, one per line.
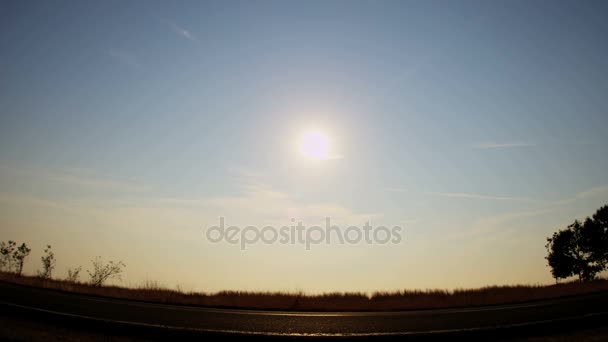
<point x="273" y="323"/>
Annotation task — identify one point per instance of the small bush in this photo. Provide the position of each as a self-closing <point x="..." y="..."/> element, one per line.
<point x="103" y="272"/>
<point x="74" y="274"/>
<point x="48" y="263"/>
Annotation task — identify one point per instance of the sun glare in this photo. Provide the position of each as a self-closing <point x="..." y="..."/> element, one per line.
<point x="314" y="145"/>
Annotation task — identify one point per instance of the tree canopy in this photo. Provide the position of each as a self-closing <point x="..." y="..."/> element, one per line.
<point x="581" y="249"/>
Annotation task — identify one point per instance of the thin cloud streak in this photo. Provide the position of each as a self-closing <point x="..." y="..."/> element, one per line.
<point x="487" y="146"/>
<point x="466" y="195"/>
<point x="395" y="189"/>
<point x="596" y="191"/>
<point x="481" y="196"/>
<point x="76" y="178"/>
<point x="180" y="31"/>
<point x="491" y="224"/>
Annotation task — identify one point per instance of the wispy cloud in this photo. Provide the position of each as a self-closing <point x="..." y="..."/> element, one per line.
<point x="464" y="195"/>
<point x="601" y="190"/>
<point x="494" y="145"/>
<point x="82" y="179"/>
<point x="93" y="182"/>
<point x="492" y="223"/>
<point x="481" y="196"/>
<point x="396" y="189"/>
<point x="261" y="202"/>
<point x="505" y="221"/>
<point x="182" y="32"/>
<point x="124" y="58"/>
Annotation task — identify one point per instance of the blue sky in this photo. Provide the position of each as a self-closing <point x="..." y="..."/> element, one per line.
<point x="478" y="126"/>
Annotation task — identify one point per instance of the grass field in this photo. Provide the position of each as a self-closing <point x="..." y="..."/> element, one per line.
<point x="397" y="300"/>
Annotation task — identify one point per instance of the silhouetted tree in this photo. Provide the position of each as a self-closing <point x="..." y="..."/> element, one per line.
<point x="48" y="263"/>
<point x="600" y="233"/>
<point x="581" y="249"/>
<point x="102" y="272"/>
<point x="561" y="257"/>
<point x="19" y="257"/>
<point x="6" y="255"/>
<point x="13" y="257"/>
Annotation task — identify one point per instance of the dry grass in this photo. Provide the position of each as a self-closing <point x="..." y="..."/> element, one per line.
<point x="151" y="291"/>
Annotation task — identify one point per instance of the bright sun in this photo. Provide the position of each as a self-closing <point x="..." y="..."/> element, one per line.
<point x="314" y="145"/>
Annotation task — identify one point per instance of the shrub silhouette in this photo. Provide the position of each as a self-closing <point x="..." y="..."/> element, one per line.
<point x="74" y="274"/>
<point x="103" y="272"/>
<point x="48" y="263"/>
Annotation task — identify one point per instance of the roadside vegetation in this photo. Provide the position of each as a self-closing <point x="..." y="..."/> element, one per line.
<point x="580" y="250"/>
<point x="396" y="300"/>
<point x="12" y="259"/>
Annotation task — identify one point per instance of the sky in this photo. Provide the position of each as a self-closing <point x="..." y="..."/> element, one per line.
<point x="128" y="128"/>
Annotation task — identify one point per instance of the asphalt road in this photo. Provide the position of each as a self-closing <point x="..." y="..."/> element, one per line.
<point x="208" y="320"/>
